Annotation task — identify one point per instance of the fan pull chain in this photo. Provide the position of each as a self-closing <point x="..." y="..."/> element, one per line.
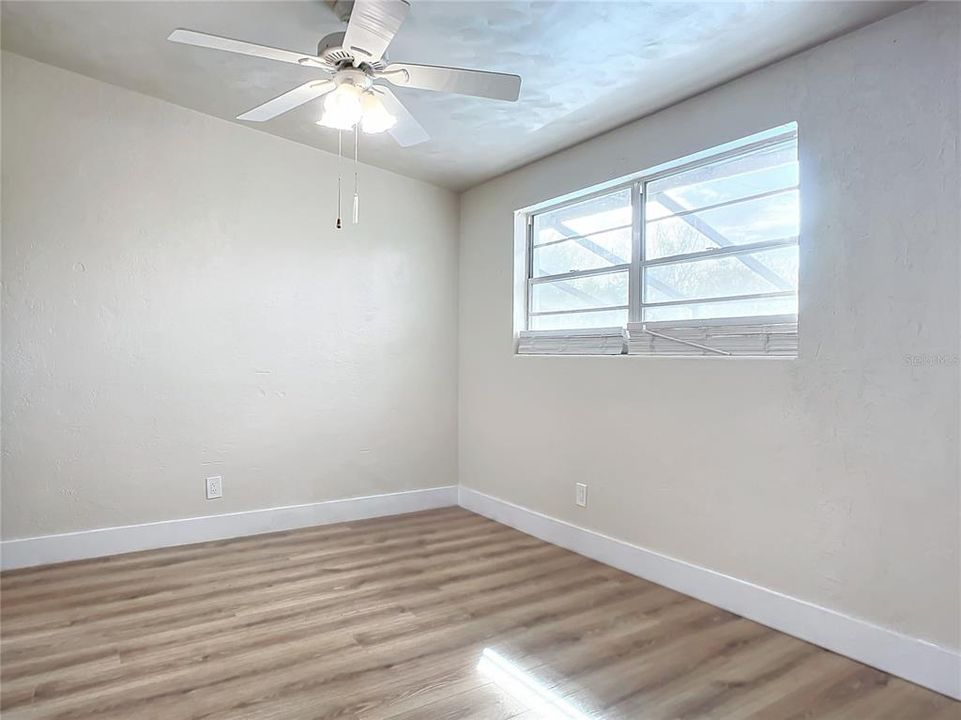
<point x="340" y="143"/>
<point x="356" y="216"/>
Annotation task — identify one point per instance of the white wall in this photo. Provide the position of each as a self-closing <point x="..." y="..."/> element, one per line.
<point x="176" y="304"/>
<point x="833" y="478"/>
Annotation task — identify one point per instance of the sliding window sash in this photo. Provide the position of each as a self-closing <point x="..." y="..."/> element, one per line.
<point x="728" y="336"/>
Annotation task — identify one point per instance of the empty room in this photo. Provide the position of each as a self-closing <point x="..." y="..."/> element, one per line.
<point x="480" y="359"/>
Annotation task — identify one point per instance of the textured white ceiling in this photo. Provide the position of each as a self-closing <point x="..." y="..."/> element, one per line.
<point x="587" y="66"/>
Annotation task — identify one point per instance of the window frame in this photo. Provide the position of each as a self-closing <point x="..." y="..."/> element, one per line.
<point x="639" y="263"/>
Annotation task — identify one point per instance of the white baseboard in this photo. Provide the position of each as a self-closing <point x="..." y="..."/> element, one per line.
<point x="920" y="662"/>
<point x="146" y="536"/>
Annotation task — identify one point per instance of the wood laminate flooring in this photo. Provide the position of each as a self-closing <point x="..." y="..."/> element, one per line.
<point x="429" y="616"/>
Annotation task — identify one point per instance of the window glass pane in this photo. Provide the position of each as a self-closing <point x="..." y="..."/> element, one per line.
<point x="602" y="250"/>
<point x="769" y="218"/>
<point x="579" y="321"/>
<point x="584" y="218"/>
<point x="773" y="217"/>
<point x="738" y="177"/>
<point x="579" y="293"/>
<point x="739" y="221"/>
<point x="724" y="309"/>
<point x="756" y="272"/>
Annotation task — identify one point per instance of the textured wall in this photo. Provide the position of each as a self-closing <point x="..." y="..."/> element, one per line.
<point x="833" y="478"/>
<point x="176" y="304"/>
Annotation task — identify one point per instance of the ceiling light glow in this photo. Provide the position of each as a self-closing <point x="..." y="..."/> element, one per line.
<point x="375" y="119"/>
<point x="342" y="108"/>
<point x="348" y="105"/>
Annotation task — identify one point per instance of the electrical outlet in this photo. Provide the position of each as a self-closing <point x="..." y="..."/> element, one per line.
<point x="581" y="497"/>
<point x="215" y="487"/>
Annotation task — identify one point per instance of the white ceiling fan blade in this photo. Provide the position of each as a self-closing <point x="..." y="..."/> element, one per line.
<point x="480" y="83"/>
<point x="407" y="131"/>
<point x="215" y="42"/>
<point x="288" y="101"/>
<point x="372" y="25"/>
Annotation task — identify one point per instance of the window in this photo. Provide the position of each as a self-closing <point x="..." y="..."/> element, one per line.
<point x="701" y="258"/>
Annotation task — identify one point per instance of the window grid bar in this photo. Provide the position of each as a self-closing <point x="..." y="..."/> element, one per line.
<point x="548" y="208"/>
<point x="723" y="298"/>
<point x="722" y="252"/>
<point x="728" y="203"/>
<point x="765" y="144"/>
<point x="635" y="278"/>
<point x="580" y="273"/>
<point x="528" y="270"/>
<point x="571" y="238"/>
<point x="601" y="308"/>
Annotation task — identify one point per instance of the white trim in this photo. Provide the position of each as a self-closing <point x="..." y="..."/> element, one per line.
<point x="84" y="544"/>
<point x="921" y="662"/>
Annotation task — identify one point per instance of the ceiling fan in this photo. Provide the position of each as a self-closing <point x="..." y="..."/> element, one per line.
<point x="352" y="63"/>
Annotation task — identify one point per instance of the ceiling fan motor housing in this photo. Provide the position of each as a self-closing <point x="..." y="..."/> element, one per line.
<point x="331" y="49"/>
<point x="354" y="76"/>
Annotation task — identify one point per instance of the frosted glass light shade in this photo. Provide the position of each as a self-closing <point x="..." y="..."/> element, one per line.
<point x="376" y="119"/>
<point x="342" y="108"/>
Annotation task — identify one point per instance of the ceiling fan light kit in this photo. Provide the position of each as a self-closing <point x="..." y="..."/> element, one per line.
<point x="343" y="106"/>
<point x="352" y="62"/>
<point x="354" y="102"/>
